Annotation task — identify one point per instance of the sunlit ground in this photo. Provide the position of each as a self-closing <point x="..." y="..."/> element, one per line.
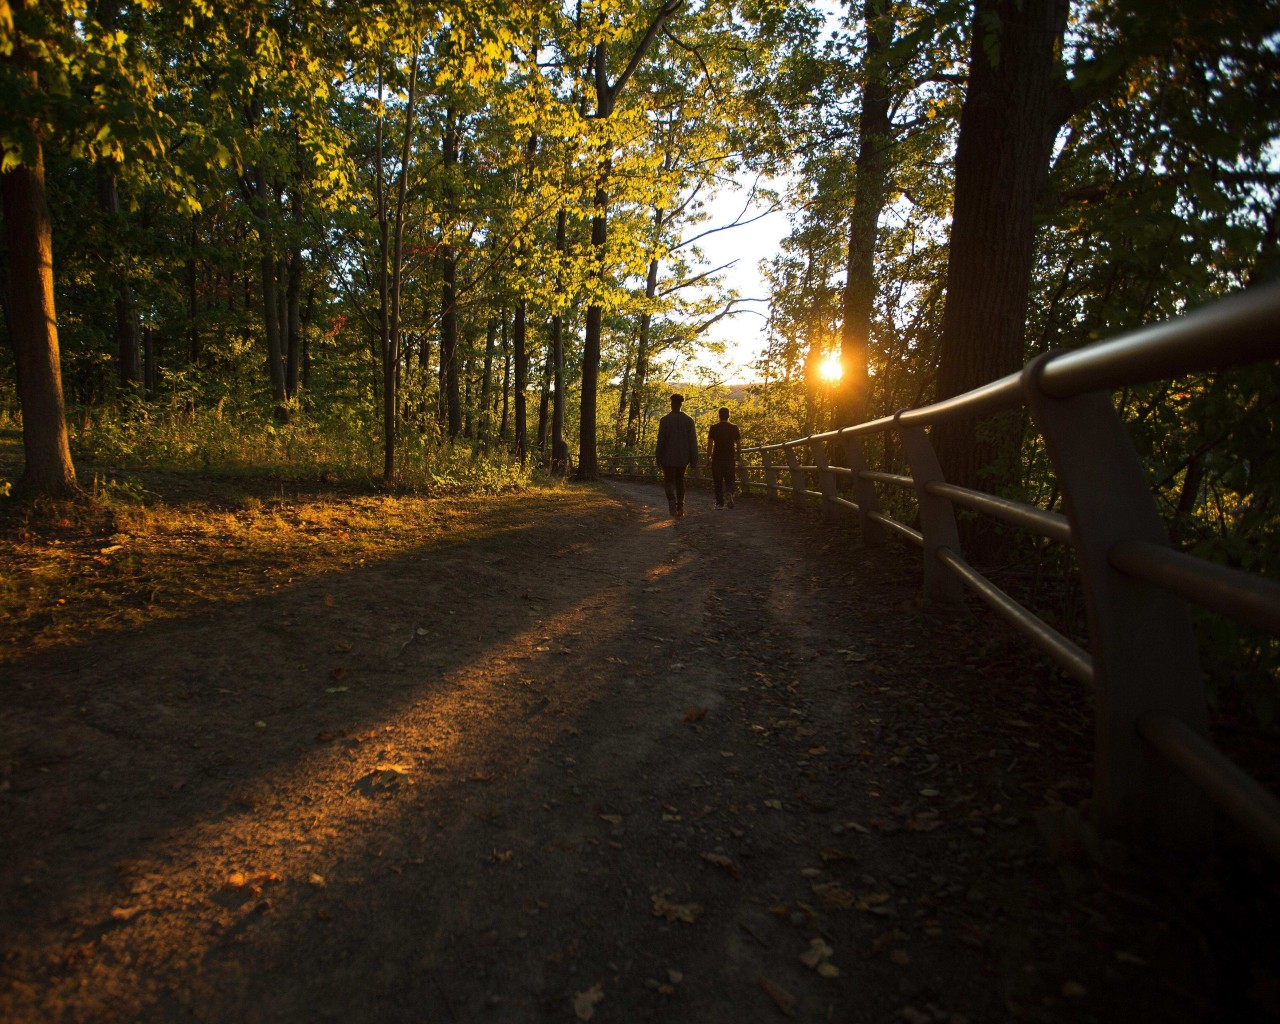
<point x="67" y="575"/>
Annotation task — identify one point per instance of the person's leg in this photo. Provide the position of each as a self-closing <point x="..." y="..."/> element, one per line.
<point x="730" y="484"/>
<point x="679" y="472"/>
<point x="669" y="485"/>
<point x="717" y="479"/>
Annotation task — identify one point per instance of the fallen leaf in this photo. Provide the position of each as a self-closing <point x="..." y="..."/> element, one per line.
<point x="721" y="861"/>
<point x="328" y="600"/>
<point x="341" y="647"/>
<point x="695" y="714"/>
<point x="316" y="880"/>
<point x="775" y="804"/>
<point x="341" y="672"/>
<point x="834" y="896"/>
<point x="817" y="952"/>
<point x="124" y="913"/>
<point x="584" y="1003"/>
<point x="612" y="819"/>
<point x="783" y="999"/>
<point x="663" y="907"/>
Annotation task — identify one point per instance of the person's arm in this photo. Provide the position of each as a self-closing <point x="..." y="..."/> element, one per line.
<point x="693" y="445"/>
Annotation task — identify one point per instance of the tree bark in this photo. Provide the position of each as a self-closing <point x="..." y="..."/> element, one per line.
<point x="559" y="448"/>
<point x="34" y="329"/>
<point x="486" y="381"/>
<point x="642" y="353"/>
<point x="293" y="324"/>
<point x="522" y="380"/>
<point x="448" y="290"/>
<point x="1007" y="128"/>
<point x="544" y="404"/>
<point x="587" y="464"/>
<point x="506" y="378"/>
<point x="869" y="193"/>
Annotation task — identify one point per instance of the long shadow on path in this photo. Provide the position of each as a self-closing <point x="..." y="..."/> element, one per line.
<point x="714" y="769"/>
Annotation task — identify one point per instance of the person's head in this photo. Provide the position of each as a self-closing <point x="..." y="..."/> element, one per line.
<point x="677" y="401"/>
<point x="724" y="415"/>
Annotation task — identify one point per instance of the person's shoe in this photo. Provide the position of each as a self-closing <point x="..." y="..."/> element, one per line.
<point x="730" y="501"/>
<point x="719" y="504"/>
<point x="679" y="510"/>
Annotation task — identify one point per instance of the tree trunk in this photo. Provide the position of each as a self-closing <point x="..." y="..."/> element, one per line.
<point x="128" y="331"/>
<point x="486" y="381"/>
<point x="1007" y="128"/>
<point x="293" y="324"/>
<point x="559" y="448"/>
<point x="587" y="469"/>
<point x="544" y="402"/>
<point x="642" y="352"/>
<point x="270" y="291"/>
<point x="448" y="292"/>
<point x="869" y="192"/>
<point x="522" y="374"/>
<point x="193" y="306"/>
<point x="506" y="378"/>
<point x="34" y="329"/>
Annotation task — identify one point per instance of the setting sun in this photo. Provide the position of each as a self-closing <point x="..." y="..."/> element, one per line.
<point x="830" y="369"/>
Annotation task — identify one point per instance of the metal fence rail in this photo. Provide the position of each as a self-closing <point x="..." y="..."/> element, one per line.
<point x="1157" y="778"/>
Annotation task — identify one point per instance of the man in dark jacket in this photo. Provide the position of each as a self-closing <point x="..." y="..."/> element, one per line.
<point x="677" y="449"/>
<point x="724" y="448"/>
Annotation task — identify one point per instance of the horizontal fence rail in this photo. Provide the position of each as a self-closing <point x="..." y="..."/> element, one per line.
<point x="1157" y="777"/>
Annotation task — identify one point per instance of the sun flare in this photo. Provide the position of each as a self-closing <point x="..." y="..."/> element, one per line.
<point x="830" y="369"/>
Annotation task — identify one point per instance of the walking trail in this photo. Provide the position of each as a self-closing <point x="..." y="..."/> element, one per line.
<point x="723" y="768"/>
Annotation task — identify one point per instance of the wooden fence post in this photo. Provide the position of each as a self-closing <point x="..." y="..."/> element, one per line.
<point x="770" y="475"/>
<point x="1144" y="652"/>
<point x="864" y="491"/>
<point x="826" y="480"/>
<point x="797" y="474"/>
<point x="937" y="517"/>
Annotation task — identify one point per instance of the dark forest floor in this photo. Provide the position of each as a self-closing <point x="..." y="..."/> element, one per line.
<point x="582" y="762"/>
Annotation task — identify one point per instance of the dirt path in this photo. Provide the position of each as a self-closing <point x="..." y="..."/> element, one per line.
<point x="632" y="768"/>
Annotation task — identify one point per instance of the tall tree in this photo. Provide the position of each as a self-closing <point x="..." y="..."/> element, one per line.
<point x="606" y="95"/>
<point x="1010" y="118"/>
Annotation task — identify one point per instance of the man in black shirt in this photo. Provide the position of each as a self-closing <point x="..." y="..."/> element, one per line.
<point x="677" y="449"/>
<point x="724" y="448"/>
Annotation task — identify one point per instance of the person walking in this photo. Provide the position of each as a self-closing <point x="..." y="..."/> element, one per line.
<point x="677" y="450"/>
<point x="724" y="449"/>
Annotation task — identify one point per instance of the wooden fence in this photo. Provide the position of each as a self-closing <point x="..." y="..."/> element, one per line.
<point x="1157" y="776"/>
